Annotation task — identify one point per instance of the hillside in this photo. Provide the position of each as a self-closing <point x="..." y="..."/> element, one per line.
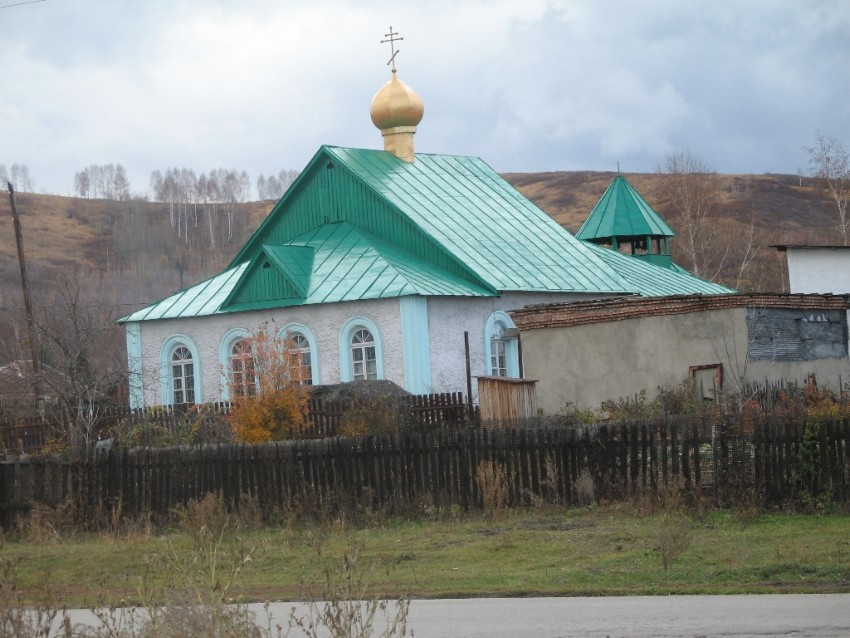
<point x="794" y="203"/>
<point x="770" y="209"/>
<point x="134" y="252"/>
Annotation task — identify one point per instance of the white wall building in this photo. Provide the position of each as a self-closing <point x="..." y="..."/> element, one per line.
<point x="382" y="265"/>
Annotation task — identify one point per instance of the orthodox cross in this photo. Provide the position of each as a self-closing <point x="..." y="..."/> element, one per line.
<point x="392" y="38"/>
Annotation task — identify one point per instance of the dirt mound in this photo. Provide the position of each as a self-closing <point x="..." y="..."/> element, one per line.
<point x="362" y="391"/>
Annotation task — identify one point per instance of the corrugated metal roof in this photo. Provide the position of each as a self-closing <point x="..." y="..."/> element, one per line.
<point x="654" y="281"/>
<point x="345" y="265"/>
<point x="442" y="225"/>
<point x="622" y="212"/>
<point x="201" y="299"/>
<point x="483" y="221"/>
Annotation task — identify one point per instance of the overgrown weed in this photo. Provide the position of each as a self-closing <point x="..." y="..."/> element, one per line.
<point x="584" y="488"/>
<point x="345" y="608"/>
<point x="18" y="619"/>
<point x="492" y="484"/>
<point x="673" y="537"/>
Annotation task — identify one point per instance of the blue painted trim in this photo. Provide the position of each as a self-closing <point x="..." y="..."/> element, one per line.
<point x="496" y="320"/>
<point x="134" y="364"/>
<point x="230" y="337"/>
<point x="314" y="348"/>
<point x="415" y="344"/>
<point x="166" y="390"/>
<point x="345" y="368"/>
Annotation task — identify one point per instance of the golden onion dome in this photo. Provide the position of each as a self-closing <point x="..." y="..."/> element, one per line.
<point x="396" y="104"/>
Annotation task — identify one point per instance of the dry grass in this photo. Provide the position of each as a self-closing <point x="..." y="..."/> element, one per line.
<point x="601" y="550"/>
<point x="19" y="617"/>
<point x="493" y="486"/>
<point x="344" y="607"/>
<point x="674" y="537"/>
<point x="585" y="488"/>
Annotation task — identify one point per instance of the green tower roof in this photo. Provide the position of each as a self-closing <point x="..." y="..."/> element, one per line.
<point x="622" y="213"/>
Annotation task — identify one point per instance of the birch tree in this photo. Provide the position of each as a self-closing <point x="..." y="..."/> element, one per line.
<point x="689" y="192"/>
<point x="829" y="165"/>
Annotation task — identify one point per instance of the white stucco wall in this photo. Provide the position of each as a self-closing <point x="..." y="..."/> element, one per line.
<point x="819" y="270"/>
<point x="325" y="321"/>
<point x="447" y="320"/>
<point x="450" y="317"/>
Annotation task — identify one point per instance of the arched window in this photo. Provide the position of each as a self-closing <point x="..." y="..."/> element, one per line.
<point x="302" y="343"/>
<point x="360" y="353"/>
<point x="243" y="381"/>
<point x="182" y="375"/>
<point x="302" y="365"/>
<point x="498" y="357"/>
<point x="364" y="363"/>
<point x="501" y="346"/>
<point x="235" y="362"/>
<point x="180" y="371"/>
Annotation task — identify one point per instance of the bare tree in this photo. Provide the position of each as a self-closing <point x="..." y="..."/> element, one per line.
<point x="274" y="186"/>
<point x="106" y="181"/>
<point x="689" y="192"/>
<point x="829" y="165"/>
<point x="81" y="346"/>
<point x="120" y="183"/>
<point x="19" y="175"/>
<point x="156" y="186"/>
<point x="82" y="183"/>
<point x="745" y="246"/>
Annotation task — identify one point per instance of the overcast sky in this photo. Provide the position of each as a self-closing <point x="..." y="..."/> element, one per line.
<point x="527" y="85"/>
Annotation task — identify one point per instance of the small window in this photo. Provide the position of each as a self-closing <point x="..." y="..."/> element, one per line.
<point x="301" y="358"/>
<point x="242" y="376"/>
<point x="501" y="346"/>
<point x="708" y="381"/>
<point x="364" y="363"/>
<point x="182" y="375"/>
<point x="498" y="356"/>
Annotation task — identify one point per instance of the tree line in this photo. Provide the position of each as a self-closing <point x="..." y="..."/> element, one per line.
<point x="110" y="181"/>
<point x="18" y="175"/>
<point x="175" y="185"/>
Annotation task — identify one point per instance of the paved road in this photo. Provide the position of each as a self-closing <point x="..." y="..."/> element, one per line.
<point x="673" y="616"/>
<point x="797" y="616"/>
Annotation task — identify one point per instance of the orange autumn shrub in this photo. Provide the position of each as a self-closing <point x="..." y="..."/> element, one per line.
<point x="271" y="405"/>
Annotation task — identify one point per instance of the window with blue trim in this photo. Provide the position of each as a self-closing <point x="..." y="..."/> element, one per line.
<point x="501" y="346"/>
<point x="498" y="356"/>
<point x="243" y="382"/>
<point x="182" y="375"/>
<point x="364" y="361"/>
<point x="300" y="343"/>
<point x="301" y="358"/>
<point x="360" y="350"/>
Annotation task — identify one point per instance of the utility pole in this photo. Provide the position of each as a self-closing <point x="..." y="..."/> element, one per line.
<point x="25" y="287"/>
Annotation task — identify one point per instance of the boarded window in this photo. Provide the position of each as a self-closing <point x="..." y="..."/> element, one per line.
<point x="796" y="335"/>
<point x="708" y="380"/>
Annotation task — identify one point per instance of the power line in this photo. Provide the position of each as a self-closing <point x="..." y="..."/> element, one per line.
<point x="18" y="4"/>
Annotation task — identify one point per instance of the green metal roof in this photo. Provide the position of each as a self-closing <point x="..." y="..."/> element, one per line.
<point x="650" y="280"/>
<point x="201" y="299"/>
<point x="336" y="262"/>
<point x="364" y="224"/>
<point x="450" y="210"/>
<point x="622" y="212"/>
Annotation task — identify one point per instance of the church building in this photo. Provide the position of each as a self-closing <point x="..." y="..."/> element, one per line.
<point x="390" y="264"/>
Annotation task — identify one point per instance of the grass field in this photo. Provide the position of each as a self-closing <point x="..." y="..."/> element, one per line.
<point x="546" y="551"/>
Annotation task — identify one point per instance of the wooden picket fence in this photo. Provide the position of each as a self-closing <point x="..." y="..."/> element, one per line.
<point x="403" y="471"/>
<point x="28" y="435"/>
